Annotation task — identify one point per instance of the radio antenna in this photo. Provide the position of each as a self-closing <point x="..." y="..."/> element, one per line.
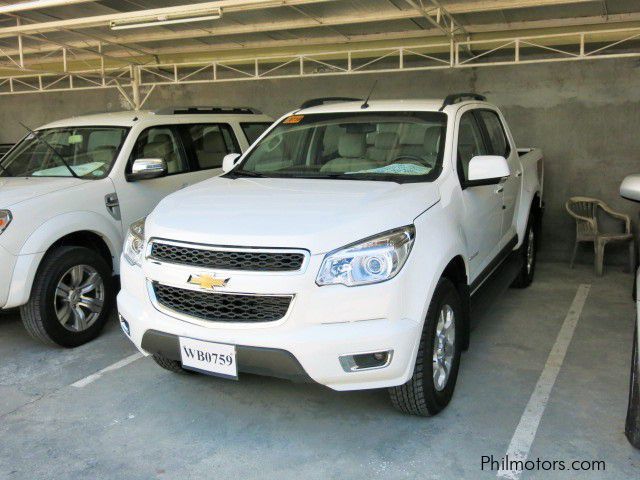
<point x="366" y="102"/>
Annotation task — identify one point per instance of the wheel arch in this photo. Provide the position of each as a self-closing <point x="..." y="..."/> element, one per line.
<point x="456" y="272"/>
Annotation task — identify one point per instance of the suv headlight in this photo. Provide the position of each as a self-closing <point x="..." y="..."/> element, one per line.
<point x="134" y="243"/>
<point x="5" y="219"/>
<point x="372" y="260"/>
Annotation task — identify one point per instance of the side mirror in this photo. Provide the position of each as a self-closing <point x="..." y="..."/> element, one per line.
<point x="630" y="188"/>
<point x="229" y="161"/>
<point x="146" y="168"/>
<point x="487" y="170"/>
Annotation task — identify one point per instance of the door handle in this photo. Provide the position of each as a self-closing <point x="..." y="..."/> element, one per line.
<point x="519" y="173"/>
<point x="499" y="189"/>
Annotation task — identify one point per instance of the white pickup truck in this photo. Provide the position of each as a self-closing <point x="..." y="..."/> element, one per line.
<point x="70" y="190"/>
<point x="342" y="248"/>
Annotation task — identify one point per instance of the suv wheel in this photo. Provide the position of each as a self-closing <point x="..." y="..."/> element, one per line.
<point x="431" y="386"/>
<point x="71" y="297"/>
<point x="632" y="427"/>
<point x="168" y="364"/>
<point x="529" y="253"/>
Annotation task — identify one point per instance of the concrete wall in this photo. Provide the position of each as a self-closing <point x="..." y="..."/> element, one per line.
<point x="585" y="115"/>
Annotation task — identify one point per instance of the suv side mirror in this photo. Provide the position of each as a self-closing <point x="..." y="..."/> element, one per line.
<point x="630" y="188"/>
<point x="229" y="161"/>
<point x="146" y="168"/>
<point x="487" y="170"/>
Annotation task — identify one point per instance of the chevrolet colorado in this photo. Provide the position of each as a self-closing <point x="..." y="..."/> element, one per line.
<point x="342" y="248"/>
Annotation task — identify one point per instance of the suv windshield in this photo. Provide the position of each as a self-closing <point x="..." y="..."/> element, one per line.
<point x="89" y="152"/>
<point x="393" y="146"/>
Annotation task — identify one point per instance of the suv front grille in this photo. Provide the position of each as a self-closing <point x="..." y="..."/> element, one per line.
<point x="241" y="260"/>
<point x="222" y="307"/>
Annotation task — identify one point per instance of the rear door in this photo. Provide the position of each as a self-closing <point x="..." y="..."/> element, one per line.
<point x="498" y="144"/>
<point x="482" y="217"/>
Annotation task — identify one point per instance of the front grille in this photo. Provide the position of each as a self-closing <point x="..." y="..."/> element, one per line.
<point x="258" y="261"/>
<point x="222" y="307"/>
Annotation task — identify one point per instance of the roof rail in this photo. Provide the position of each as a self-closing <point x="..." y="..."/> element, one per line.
<point x="207" y="110"/>
<point x="314" y="102"/>
<point x="459" y="97"/>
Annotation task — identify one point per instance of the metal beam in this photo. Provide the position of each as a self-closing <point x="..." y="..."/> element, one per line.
<point x="231" y="6"/>
<point x="37" y="4"/>
<point x="220" y="49"/>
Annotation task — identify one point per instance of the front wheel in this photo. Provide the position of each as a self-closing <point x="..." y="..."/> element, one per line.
<point x="632" y="427"/>
<point x="430" y="388"/>
<point x="71" y="297"/>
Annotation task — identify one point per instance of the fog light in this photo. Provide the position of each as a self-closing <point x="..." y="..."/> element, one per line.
<point x="124" y="325"/>
<point x="366" y="361"/>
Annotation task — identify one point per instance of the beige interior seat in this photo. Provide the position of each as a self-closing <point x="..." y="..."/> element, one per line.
<point x="162" y="147"/>
<point x="412" y="140"/>
<point x="385" y="148"/>
<point x="103" y="154"/>
<point x="352" y="149"/>
<point x="212" y="149"/>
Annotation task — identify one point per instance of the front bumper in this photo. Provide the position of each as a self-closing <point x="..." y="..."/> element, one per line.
<point x="7" y="262"/>
<point x="322" y="324"/>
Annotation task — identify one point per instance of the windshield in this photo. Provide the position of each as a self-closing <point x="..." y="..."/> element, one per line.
<point x="394" y="146"/>
<point x="88" y="151"/>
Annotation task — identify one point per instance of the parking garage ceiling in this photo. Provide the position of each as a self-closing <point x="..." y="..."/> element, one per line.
<point x="75" y="44"/>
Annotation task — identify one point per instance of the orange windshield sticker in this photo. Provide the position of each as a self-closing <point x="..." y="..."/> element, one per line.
<point x="293" y="119"/>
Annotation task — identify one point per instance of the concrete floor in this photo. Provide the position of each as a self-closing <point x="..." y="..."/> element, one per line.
<point x="141" y="422"/>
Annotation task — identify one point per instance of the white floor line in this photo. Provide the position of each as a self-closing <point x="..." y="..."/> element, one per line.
<point x="95" y="376"/>
<point x="525" y="433"/>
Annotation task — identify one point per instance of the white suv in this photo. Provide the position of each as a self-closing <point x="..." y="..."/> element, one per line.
<point x="342" y="248"/>
<point x="70" y="190"/>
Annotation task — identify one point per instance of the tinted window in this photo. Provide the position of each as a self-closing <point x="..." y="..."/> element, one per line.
<point x="211" y="142"/>
<point x="470" y="143"/>
<point x="405" y="146"/>
<point x="253" y="130"/>
<point x="161" y="142"/>
<point x="88" y="151"/>
<point x="499" y="144"/>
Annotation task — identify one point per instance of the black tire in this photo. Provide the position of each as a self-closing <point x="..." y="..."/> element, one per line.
<point x="632" y="427"/>
<point x="526" y="273"/>
<point x="419" y="395"/>
<point x="171" y="365"/>
<point x="38" y="314"/>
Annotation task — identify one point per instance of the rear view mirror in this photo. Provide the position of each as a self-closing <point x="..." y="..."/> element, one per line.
<point x="229" y="161"/>
<point x="487" y="170"/>
<point x="146" y="168"/>
<point x="630" y="188"/>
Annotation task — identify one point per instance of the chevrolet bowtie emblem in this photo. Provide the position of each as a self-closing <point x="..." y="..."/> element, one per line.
<point x="207" y="281"/>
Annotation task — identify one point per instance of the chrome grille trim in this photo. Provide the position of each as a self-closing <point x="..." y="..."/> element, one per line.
<point x="224" y="248"/>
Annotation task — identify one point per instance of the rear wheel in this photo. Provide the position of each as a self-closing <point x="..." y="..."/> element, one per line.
<point x="168" y="364"/>
<point x="632" y="428"/>
<point x="430" y="388"/>
<point x="71" y="297"/>
<point x="529" y="254"/>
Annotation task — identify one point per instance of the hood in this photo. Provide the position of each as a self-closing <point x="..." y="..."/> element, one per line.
<point x="18" y="189"/>
<point x="315" y="214"/>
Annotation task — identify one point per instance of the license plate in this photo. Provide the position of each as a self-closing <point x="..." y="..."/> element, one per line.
<point x="215" y="359"/>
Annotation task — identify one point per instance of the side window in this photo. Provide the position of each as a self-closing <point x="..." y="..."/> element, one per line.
<point x="499" y="143"/>
<point x="253" y="130"/>
<point x="211" y="142"/>
<point x="470" y="142"/>
<point x="161" y="142"/>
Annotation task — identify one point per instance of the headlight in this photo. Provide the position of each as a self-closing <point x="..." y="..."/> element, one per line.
<point x="5" y="219"/>
<point x="134" y="243"/>
<point x="372" y="260"/>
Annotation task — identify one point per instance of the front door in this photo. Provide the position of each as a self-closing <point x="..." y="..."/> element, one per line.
<point x="482" y="223"/>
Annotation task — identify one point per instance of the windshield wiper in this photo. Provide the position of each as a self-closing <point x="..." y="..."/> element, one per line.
<point x="48" y="145"/>
<point x="244" y="173"/>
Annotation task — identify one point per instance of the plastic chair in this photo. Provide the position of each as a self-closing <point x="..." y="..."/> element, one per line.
<point x="585" y="211"/>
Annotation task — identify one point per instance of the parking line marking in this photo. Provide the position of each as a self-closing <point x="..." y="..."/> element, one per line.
<point x="95" y="376"/>
<point x="525" y="433"/>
